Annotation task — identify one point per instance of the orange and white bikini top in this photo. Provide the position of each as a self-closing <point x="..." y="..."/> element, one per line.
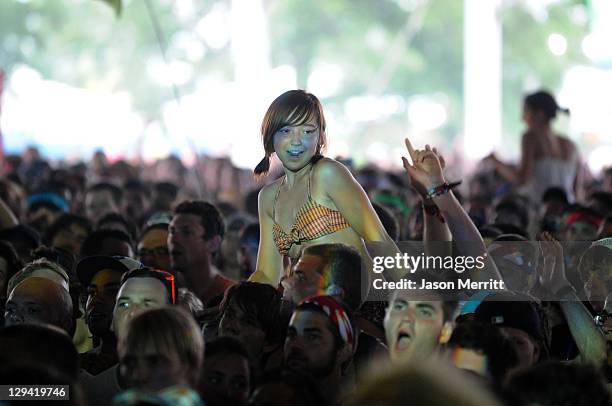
<point x="312" y="221"/>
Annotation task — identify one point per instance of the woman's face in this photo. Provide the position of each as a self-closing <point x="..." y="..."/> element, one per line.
<point x="528" y="116"/>
<point x="533" y="119"/>
<point x="296" y="145"/>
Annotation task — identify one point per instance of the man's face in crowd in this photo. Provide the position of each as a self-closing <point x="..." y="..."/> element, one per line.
<point x="102" y="292"/>
<point x="516" y="265"/>
<point x="149" y="369"/>
<point x="598" y="282"/>
<point x="70" y="238"/>
<point x="310" y="344"/>
<point x="414" y="328"/>
<point x="99" y="203"/>
<point x="135" y="295"/>
<point x="153" y="249"/>
<point x="226" y="379"/>
<point x="237" y="323"/>
<point x="34" y="301"/>
<point x="527" y="349"/>
<point x="305" y="279"/>
<point x="186" y="241"/>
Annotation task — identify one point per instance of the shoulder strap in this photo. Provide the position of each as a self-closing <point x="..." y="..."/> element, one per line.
<point x="309" y="180"/>
<point x="276" y="198"/>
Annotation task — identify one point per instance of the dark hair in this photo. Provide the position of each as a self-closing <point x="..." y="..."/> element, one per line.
<point x="260" y="301"/>
<point x="558" y="383"/>
<point x="23" y="234"/>
<point x="490" y="341"/>
<point x="602" y="201"/>
<point x="93" y="243"/>
<point x="115" y="192"/>
<point x="489" y="231"/>
<point x="292" y="108"/>
<point x="225" y="345"/>
<point x="65" y="221"/>
<point x="166" y="278"/>
<point x="13" y="262"/>
<point x="211" y="219"/>
<point x="303" y="386"/>
<point x="556" y="194"/>
<point x="42" y="344"/>
<point x="514" y="207"/>
<point x="342" y="265"/>
<point x="388" y="220"/>
<point x="118" y="218"/>
<point x="139" y="186"/>
<point x="543" y="101"/>
<point x="166" y="188"/>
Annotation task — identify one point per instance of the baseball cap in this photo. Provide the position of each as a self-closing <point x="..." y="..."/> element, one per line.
<point x="89" y="266"/>
<point x="496" y="309"/>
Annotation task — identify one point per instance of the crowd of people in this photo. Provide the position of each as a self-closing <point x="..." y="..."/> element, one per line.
<point x="171" y="285"/>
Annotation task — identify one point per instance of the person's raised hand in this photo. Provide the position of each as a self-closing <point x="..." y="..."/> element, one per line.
<point x="426" y="169"/>
<point x="553" y="274"/>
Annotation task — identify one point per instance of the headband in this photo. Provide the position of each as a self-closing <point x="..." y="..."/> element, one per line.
<point x="336" y="313"/>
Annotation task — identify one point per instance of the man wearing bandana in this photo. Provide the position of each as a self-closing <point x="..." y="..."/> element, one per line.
<point x="320" y="341"/>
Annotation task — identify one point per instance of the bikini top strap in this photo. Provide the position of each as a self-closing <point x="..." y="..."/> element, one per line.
<point x="276" y="198"/>
<point x="309" y="180"/>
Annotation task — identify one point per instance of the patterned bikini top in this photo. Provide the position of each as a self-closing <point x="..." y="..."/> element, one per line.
<point x="311" y="222"/>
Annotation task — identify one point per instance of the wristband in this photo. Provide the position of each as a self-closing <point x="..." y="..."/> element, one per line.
<point x="441" y="189"/>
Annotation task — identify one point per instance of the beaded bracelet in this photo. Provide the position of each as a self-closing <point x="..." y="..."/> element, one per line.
<point x="441" y="189"/>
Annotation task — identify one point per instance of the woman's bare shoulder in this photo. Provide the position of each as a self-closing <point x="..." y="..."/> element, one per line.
<point x="330" y="167"/>
<point x="268" y="192"/>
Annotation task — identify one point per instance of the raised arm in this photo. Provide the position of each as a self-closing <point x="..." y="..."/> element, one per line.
<point x="435" y="229"/>
<point x="427" y="170"/>
<point x="269" y="266"/>
<point x="589" y="339"/>
<point x="521" y="174"/>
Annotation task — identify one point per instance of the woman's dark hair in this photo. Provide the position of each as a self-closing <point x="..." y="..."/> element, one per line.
<point x="543" y="101"/>
<point x="291" y="108"/>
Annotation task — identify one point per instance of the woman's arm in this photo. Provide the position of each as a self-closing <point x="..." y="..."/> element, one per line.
<point x="521" y="174"/>
<point x="351" y="200"/>
<point x="269" y="266"/>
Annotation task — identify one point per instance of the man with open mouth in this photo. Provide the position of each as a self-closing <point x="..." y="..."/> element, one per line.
<point x="415" y="328"/>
